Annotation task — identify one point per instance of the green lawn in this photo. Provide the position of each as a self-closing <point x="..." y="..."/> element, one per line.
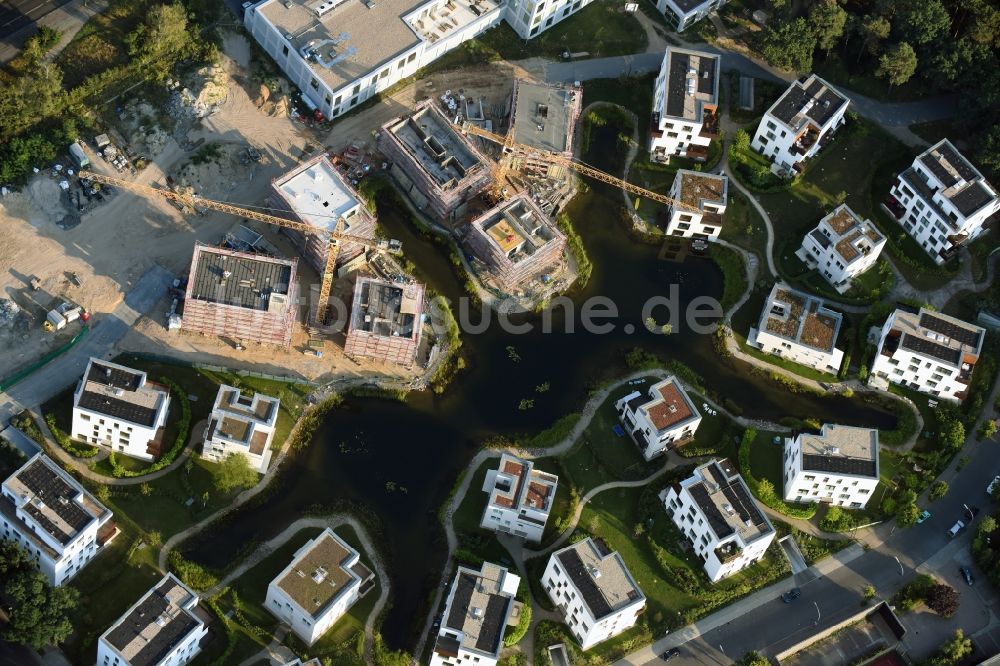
<point x="744" y="226"/>
<point x="791" y="366"/>
<point x="765" y="460"/>
<point x="635" y="93"/>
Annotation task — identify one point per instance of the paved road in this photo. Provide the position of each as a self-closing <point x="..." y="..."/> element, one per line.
<point x="17" y="14"/>
<point x="104" y="335"/>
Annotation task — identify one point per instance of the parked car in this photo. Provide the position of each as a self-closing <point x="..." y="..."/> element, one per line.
<point x="955" y="529"/>
<point x="791" y="595"/>
<point x="993" y="484"/>
<point x="924" y="515"/>
<point x="967" y="575"/>
<point x="671" y="653"/>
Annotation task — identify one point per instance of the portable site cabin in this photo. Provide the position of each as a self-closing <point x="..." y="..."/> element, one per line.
<point x="80" y="157"/>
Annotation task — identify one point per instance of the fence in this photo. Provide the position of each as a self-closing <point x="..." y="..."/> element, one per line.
<point x="7" y="382"/>
<point x="169" y="360"/>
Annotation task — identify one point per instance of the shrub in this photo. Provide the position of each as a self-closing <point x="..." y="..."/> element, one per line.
<point x="938" y="490"/>
<point x="514" y="635"/>
<point x="942" y="599"/>
<point x="764" y="489"/>
<point x="183" y="427"/>
<point x="67" y="444"/>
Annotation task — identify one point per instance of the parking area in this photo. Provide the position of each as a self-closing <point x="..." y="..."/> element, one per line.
<point x="847" y="646"/>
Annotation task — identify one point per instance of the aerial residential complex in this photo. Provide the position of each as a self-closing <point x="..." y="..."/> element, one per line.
<point x="317" y="195"/>
<point x="241" y="424"/>
<point x="164" y="628"/>
<point x="480" y="605"/>
<point x="799" y="123"/>
<point x="593" y="591"/>
<point x="544" y="117"/>
<point x="386" y="320"/>
<point x="660" y="420"/>
<point x="942" y="200"/>
<point x="433" y="163"/>
<point x="520" y="498"/>
<point x="799" y="327"/>
<point x="929" y="352"/>
<point x="682" y="14"/>
<point x="529" y="18"/>
<point x="837" y="466"/>
<point x="704" y="196"/>
<point x="842" y="247"/>
<point x="117" y="407"/>
<point x="44" y="510"/>
<point x="243" y="296"/>
<point x="715" y="511"/>
<point x="516" y="241"/>
<point x="321" y="583"/>
<point x="685" y="105"/>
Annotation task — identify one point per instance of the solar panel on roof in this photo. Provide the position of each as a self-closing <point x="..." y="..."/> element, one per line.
<point x="56" y="495"/>
<point x="957" y="162"/>
<point x="578" y="573"/>
<point x="493" y="625"/>
<point x="930" y="348"/>
<point x="716" y="520"/>
<point x="972" y="197"/>
<point x="838" y="465"/>
<point x="950" y="329"/>
<point x="464" y="587"/>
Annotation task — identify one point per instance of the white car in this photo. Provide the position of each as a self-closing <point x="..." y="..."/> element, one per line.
<point x="993" y="484"/>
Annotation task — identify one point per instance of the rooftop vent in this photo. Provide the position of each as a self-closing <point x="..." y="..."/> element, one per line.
<point x="594" y="571"/>
<point x="319" y="575"/>
<point x="477" y="613"/>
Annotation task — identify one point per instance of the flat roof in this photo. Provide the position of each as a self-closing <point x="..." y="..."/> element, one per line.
<point x="252" y="282"/>
<point x="938" y="336"/>
<point x="387" y="309"/>
<point x="317" y="194"/>
<point x="801" y="318"/>
<point x="726" y="502"/>
<point x="960" y="182"/>
<point x="841" y="449"/>
<point x="436" y="147"/>
<point x="121" y="393"/>
<point x="544" y="115"/>
<point x="851" y="237"/>
<point x="258" y="407"/>
<point x="692" y="83"/>
<point x="320" y="572"/>
<point x="517" y="227"/>
<point x="518" y="484"/>
<point x="697" y="189"/>
<point x="161" y="620"/>
<point x="478" y="609"/>
<point x="668" y="405"/>
<point x="54" y="501"/>
<point x="599" y="576"/>
<point x="809" y="99"/>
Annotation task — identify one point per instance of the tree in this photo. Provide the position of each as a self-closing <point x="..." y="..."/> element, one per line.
<point x="234" y="472"/>
<point x="162" y="39"/>
<point x="938" y="490"/>
<point x="952" y="651"/>
<point x="943" y="599"/>
<point x="39" y="613"/>
<point x="828" y="20"/>
<point x="145" y="489"/>
<point x="154" y="539"/>
<point x="874" y="30"/>
<point x="988" y="429"/>
<point x="790" y="45"/>
<point x="103" y="494"/>
<point x="753" y="658"/>
<point x="952" y="435"/>
<point x="922" y="21"/>
<point x="741" y="140"/>
<point x="907" y="514"/>
<point x="988" y="525"/>
<point x="897" y="64"/>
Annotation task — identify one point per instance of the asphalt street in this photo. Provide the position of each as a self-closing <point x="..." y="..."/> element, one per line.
<point x="17" y="14"/>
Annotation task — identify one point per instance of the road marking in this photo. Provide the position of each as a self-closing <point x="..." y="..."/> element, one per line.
<point x="26" y="15"/>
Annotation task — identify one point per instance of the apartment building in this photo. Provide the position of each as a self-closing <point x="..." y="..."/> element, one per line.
<point x="246" y="297"/>
<point x="520" y="498"/>
<point x="714" y="510"/>
<point x="480" y="605"/>
<point x="544" y="117"/>
<point x="593" y="590"/>
<point x="241" y="424"/>
<point x="685" y="105"/>
<point x="321" y="583"/>
<point x="530" y="18"/>
<point x="942" y="201"/>
<point x="119" y="408"/>
<point x="928" y="352"/>
<point x="164" y="628"/>
<point x="704" y="196"/>
<point x="798" y="326"/>
<point x="316" y="194"/>
<point x="386" y="320"/>
<point x="682" y="14"/>
<point x="51" y="516"/>
<point x="342" y="52"/>
<point x="838" y="466"/>
<point x="800" y="123"/>
<point x="516" y="241"/>
<point x="661" y="419"/>
<point x="841" y="247"/>
<point x="433" y="163"/>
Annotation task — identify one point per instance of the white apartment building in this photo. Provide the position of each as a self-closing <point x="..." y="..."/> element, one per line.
<point x="119" y="408"/>
<point x="324" y="579"/>
<point x="929" y="352"/>
<point x="841" y="247"/>
<point x="661" y="419"/>
<point x="798" y="326"/>
<point x="342" y="52"/>
<point x="241" y="424"/>
<point x="51" y="516"/>
<point x="705" y="196"/>
<point x="715" y="511"/>
<point x="838" y="466"/>
<point x="480" y="605"/>
<point x="593" y="590"/>
<point x="685" y="105"/>
<point x="799" y="123"/>
<point x="520" y="498"/>
<point x="942" y="200"/>
<point x="164" y="628"/>
<point x="682" y="14"/>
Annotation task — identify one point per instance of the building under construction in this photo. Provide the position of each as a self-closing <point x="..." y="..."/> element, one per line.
<point x="433" y="163"/>
<point x="316" y="194"/>
<point x="544" y="116"/>
<point x="516" y="241"/>
<point x="385" y="321"/>
<point x="242" y="296"/>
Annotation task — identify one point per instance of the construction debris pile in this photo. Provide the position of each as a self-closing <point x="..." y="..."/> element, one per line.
<point x="207" y="90"/>
<point x="9" y="311"/>
<point x="272" y="102"/>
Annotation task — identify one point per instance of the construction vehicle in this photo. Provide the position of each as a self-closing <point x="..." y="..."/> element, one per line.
<point x="193" y="201"/>
<point x="502" y="183"/>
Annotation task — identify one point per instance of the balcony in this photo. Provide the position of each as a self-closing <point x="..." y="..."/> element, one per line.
<point x="710" y="126"/>
<point x="894" y="207"/>
<point x="806" y="141"/>
<point x="698" y="153"/>
<point x="965" y="373"/>
<point x="654" y="126"/>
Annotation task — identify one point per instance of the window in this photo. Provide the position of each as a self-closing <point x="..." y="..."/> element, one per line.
<point x="284" y="50"/>
<point x="314" y="84"/>
<point x="85" y="417"/>
<point x="356" y="90"/>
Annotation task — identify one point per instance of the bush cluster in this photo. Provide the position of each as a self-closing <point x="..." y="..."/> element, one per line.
<point x="119" y="471"/>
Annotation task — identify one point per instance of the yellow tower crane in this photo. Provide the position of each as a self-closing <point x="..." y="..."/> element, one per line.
<point x="192" y="200"/>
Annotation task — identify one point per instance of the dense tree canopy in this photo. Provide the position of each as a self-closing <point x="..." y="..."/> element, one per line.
<point x="38" y="612"/>
<point x="828" y="20"/>
<point x="897" y="64"/>
<point x="790" y="45"/>
<point x="234" y="472"/>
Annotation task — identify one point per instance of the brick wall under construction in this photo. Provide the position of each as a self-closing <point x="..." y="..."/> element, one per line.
<point x="238" y="323"/>
<point x="399" y="350"/>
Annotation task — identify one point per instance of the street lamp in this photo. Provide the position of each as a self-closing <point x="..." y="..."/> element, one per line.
<point x="900" y="565"/>
<point x="816" y="623"/>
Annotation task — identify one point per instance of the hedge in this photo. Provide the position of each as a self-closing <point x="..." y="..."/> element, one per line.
<point x="514" y="636"/>
<point x="764" y="490"/>
<point x="67" y="444"/>
<point x="182" y="436"/>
